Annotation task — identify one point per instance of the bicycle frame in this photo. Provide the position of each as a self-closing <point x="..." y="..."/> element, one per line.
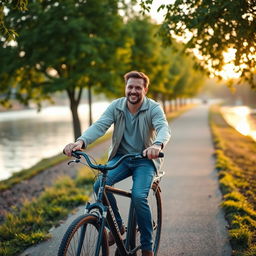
<point x="103" y="211"/>
<point x="106" y="215"/>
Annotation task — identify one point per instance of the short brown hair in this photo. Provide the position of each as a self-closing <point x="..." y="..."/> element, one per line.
<point x="137" y="74"/>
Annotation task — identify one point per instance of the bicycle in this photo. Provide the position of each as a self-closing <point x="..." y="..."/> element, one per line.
<point x="87" y="234"/>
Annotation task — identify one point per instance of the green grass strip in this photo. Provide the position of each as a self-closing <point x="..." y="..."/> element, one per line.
<point x="31" y="224"/>
<point x="236" y="183"/>
<point x="174" y="114"/>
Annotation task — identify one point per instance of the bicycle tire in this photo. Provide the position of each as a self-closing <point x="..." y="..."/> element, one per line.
<point x="70" y="243"/>
<point x="157" y="216"/>
<point x="155" y="203"/>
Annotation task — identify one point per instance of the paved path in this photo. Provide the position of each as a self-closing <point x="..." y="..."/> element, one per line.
<point x="193" y="223"/>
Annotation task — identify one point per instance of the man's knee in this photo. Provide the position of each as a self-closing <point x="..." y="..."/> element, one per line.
<point x="138" y="199"/>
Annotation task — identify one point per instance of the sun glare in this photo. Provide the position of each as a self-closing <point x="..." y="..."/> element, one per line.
<point x="239" y="118"/>
<point x="229" y="70"/>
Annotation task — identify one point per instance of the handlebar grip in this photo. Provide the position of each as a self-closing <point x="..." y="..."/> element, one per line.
<point x="161" y="154"/>
<point x="75" y="154"/>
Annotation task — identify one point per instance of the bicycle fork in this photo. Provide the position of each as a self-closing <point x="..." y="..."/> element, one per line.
<point x="101" y="213"/>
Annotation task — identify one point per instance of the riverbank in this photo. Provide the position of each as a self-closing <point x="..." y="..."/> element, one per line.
<point x="235" y="162"/>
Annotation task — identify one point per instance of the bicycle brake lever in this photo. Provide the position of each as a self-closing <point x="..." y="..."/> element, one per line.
<point x="74" y="161"/>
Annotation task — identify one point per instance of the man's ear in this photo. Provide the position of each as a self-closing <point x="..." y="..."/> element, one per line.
<point x="146" y="90"/>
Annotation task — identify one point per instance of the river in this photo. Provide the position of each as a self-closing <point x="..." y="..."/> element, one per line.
<point x="242" y="118"/>
<point x="27" y="136"/>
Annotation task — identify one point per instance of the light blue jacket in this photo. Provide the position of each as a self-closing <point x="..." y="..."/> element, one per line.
<point x="153" y="126"/>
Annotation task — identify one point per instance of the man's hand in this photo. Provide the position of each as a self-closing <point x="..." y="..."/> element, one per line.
<point x="73" y="147"/>
<point x="152" y="151"/>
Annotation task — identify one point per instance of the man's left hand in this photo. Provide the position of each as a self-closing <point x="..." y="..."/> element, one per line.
<point x="152" y="152"/>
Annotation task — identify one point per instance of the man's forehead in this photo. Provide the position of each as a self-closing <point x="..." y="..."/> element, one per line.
<point x="135" y="81"/>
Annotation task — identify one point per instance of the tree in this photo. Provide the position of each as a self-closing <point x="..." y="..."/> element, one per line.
<point x="212" y="28"/>
<point x="68" y="45"/>
<point x="146" y="51"/>
<point x="5" y="5"/>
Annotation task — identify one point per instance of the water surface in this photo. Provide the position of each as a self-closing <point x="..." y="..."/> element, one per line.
<point x="242" y="118"/>
<point x="27" y="136"/>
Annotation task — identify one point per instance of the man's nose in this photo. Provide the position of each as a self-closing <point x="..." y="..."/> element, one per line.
<point x="133" y="90"/>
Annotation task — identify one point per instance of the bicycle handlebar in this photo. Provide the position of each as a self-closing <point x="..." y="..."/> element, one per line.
<point x="78" y="154"/>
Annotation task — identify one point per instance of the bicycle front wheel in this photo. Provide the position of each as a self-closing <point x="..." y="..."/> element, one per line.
<point x="81" y="238"/>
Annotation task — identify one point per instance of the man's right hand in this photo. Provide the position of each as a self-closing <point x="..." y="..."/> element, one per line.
<point x="73" y="147"/>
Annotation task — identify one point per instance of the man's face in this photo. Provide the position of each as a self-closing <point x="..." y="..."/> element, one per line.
<point x="135" y="90"/>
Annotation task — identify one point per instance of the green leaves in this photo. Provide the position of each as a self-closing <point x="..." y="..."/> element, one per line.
<point x="216" y="26"/>
<point x="5" y="5"/>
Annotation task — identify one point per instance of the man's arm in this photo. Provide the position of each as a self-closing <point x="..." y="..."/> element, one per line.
<point x="95" y="131"/>
<point x="161" y="126"/>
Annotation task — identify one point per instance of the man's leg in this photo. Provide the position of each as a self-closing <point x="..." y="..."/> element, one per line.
<point x="118" y="174"/>
<point x="143" y="174"/>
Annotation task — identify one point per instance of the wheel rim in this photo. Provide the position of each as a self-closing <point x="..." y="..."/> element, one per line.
<point x="86" y="246"/>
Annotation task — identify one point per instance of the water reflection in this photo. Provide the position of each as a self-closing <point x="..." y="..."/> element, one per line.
<point x="241" y="119"/>
<point x="27" y="136"/>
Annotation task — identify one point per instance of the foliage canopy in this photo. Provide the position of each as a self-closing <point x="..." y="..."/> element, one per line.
<point x="212" y="28"/>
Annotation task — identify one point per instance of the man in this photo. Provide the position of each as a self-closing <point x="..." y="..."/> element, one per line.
<point x="139" y="126"/>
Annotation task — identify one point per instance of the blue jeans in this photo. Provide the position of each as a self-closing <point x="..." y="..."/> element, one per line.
<point x="142" y="172"/>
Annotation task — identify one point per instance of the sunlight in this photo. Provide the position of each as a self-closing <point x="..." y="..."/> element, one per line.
<point x="159" y="16"/>
<point x="239" y="118"/>
<point x="229" y="70"/>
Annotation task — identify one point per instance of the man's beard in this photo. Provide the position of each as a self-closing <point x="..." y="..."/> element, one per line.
<point x="136" y="101"/>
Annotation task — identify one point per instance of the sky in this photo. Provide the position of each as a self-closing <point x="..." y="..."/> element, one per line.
<point x="158" y="16"/>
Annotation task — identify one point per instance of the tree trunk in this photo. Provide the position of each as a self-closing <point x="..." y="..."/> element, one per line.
<point x="176" y="104"/>
<point x="76" y="121"/>
<point x="74" y="103"/>
<point x="170" y="106"/>
<point x="90" y="103"/>
<point x="164" y="103"/>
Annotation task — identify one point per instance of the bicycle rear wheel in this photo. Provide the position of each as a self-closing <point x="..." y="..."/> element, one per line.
<point x="155" y="203"/>
<point x="81" y="238"/>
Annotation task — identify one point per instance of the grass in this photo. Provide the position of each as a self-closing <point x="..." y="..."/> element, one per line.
<point x="32" y="222"/>
<point x="236" y="165"/>
<point x="172" y="115"/>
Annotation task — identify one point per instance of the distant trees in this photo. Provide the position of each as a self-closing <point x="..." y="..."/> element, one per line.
<point x="73" y="45"/>
<point x="213" y="27"/>
<point x="170" y="70"/>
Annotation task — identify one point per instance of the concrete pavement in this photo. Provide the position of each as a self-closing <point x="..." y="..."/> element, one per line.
<point x="194" y="224"/>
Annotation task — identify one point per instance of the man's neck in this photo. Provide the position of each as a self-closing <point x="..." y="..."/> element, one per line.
<point x="133" y="108"/>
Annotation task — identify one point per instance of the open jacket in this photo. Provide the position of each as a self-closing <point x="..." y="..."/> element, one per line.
<point x="153" y="126"/>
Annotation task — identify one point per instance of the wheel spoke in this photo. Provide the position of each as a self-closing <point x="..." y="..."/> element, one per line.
<point x="88" y="227"/>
